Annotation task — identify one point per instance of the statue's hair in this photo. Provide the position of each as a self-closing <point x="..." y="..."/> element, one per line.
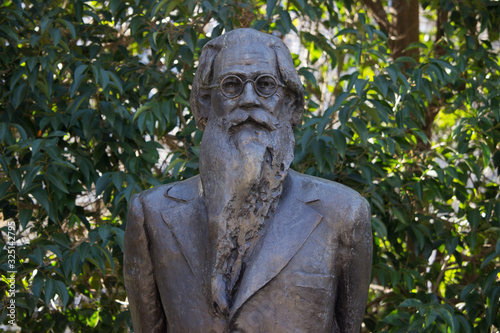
<point x="204" y="73"/>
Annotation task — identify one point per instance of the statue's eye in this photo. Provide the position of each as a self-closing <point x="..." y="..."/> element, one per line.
<point x="231" y="86"/>
<point x="266" y="85"/>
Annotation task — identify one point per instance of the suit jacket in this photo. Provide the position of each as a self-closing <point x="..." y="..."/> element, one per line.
<point x="310" y="272"/>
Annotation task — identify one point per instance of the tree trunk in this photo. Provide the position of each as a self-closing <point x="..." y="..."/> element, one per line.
<point x="405" y="28"/>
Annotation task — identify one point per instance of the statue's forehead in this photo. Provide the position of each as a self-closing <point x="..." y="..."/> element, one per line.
<point x="249" y="60"/>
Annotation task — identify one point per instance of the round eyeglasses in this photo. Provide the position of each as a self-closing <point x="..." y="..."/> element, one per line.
<point x="232" y="86"/>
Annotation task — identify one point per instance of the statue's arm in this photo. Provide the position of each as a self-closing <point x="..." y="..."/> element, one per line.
<point x="144" y="301"/>
<point x="356" y="260"/>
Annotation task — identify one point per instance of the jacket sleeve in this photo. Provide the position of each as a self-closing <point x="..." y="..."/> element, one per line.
<point x="143" y="297"/>
<point x="355" y="258"/>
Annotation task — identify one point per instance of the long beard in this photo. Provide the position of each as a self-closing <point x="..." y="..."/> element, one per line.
<point x="242" y="167"/>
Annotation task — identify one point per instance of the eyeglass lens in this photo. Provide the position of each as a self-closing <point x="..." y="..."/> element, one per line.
<point x="265" y="85"/>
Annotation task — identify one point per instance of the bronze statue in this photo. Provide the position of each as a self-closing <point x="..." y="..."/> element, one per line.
<point x="248" y="245"/>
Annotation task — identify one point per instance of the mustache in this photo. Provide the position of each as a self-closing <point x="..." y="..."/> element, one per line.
<point x="256" y="116"/>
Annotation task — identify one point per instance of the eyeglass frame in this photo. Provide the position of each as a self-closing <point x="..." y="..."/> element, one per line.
<point x="253" y="81"/>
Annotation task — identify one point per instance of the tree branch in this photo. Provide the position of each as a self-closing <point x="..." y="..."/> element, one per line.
<point x="379" y="299"/>
<point x="379" y="13"/>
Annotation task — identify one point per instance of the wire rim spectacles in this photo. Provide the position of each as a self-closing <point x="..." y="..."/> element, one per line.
<point x="232" y="86"/>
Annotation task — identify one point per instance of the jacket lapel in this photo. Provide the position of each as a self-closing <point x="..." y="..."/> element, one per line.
<point x="288" y="229"/>
<point x="187" y="222"/>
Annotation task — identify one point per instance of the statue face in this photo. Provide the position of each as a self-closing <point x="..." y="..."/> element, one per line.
<point x="248" y="62"/>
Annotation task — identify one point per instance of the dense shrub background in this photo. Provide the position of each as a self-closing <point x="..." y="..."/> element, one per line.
<point x="94" y="107"/>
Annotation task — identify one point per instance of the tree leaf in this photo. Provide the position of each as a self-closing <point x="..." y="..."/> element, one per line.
<point x="270" y="5"/>
<point x="339" y="141"/>
<point x="49" y="290"/>
<point x="361" y="129"/>
<point x="68" y="25"/>
<point x="77" y="78"/>
<point x="25" y="216"/>
<point x="62" y="291"/>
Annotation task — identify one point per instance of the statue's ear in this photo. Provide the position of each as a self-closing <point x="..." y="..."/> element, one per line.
<point x="293" y="106"/>
<point x="204" y="103"/>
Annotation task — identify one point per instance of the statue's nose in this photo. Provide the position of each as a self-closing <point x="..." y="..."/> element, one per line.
<point x="249" y="97"/>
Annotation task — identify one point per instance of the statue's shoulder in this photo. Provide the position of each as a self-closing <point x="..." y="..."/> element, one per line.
<point x="167" y="196"/>
<point x="336" y="201"/>
<point x="327" y="190"/>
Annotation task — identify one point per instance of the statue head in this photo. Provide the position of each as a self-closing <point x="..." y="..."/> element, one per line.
<point x="234" y="63"/>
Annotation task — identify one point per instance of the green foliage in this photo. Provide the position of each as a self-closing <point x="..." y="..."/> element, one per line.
<point x="434" y="190"/>
<point x="91" y="92"/>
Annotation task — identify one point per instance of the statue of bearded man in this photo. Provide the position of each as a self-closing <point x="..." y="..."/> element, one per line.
<point x="248" y="245"/>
